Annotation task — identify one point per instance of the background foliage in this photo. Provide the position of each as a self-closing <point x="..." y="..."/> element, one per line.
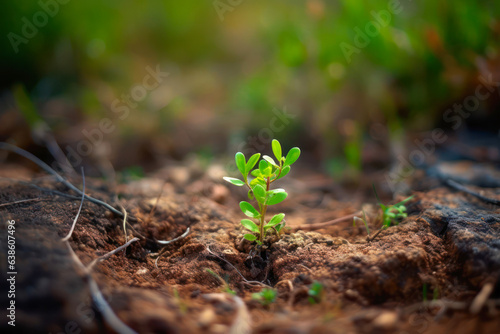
<point x="229" y="70"/>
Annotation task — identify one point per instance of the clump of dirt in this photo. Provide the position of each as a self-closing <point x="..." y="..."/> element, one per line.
<point x="448" y="246"/>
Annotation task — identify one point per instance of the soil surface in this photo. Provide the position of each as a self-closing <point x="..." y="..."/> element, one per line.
<point x="421" y="276"/>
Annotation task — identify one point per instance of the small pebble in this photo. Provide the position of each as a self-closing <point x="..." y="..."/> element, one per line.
<point x="386" y="320"/>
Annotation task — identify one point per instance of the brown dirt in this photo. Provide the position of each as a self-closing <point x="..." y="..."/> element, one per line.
<point x="449" y="243"/>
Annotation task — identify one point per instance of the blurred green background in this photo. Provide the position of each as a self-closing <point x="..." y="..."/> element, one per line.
<point x="231" y="63"/>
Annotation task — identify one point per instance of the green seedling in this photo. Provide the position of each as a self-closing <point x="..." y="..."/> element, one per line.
<point x="183" y="307"/>
<point x="226" y="288"/>
<point x="266" y="296"/>
<point x="315" y="293"/>
<point x="392" y="214"/>
<point x="259" y="186"/>
<point x="357" y="219"/>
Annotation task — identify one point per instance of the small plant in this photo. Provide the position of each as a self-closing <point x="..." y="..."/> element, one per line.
<point x="259" y="187"/>
<point x="357" y="219"/>
<point x="183" y="307"/>
<point x="266" y="296"/>
<point x="226" y="288"/>
<point x="392" y="214"/>
<point x="315" y="293"/>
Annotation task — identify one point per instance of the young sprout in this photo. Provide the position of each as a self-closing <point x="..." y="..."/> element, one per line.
<point x="363" y="220"/>
<point x="266" y="296"/>
<point x="392" y="214"/>
<point x="315" y="292"/>
<point x="226" y="288"/>
<point x="268" y="170"/>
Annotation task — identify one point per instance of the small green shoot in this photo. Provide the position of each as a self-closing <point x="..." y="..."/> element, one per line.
<point x="435" y="294"/>
<point x="315" y="293"/>
<point x="266" y="296"/>
<point x="357" y="219"/>
<point x="183" y="307"/>
<point x="392" y="214"/>
<point x="268" y="170"/>
<point x="226" y="287"/>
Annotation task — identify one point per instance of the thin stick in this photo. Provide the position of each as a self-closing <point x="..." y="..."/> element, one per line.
<point x="48" y="169"/>
<point x="183" y="235"/>
<point x="375" y="235"/>
<point x="481" y="298"/>
<point x="317" y="226"/>
<point x="124" y="222"/>
<point x="79" y="210"/>
<point x="109" y="254"/>
<point x="455" y="185"/>
<point x="24" y="201"/>
<point x="139" y="234"/>
<point x="163" y="242"/>
<point x="102" y="305"/>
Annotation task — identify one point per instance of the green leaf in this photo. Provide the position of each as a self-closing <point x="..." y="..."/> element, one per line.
<point x="252" y="162"/>
<point x="247" y="223"/>
<point x="260" y="193"/>
<point x="276" y="196"/>
<point x="240" y="163"/>
<point x="256" y="173"/>
<point x="292" y="156"/>
<point x="276" y="149"/>
<point x="250" y="237"/>
<point x="276" y="220"/>
<point x="236" y="182"/>
<point x="249" y="210"/>
<point x="256" y="181"/>
<point x="404" y="201"/>
<point x="265" y="168"/>
<point x="284" y="171"/>
<point x="270" y="160"/>
<point x="276" y="191"/>
<point x="250" y="194"/>
<point x="263" y="165"/>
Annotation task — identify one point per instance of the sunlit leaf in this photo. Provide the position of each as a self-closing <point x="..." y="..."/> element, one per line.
<point x="236" y="182"/>
<point x="276" y="149"/>
<point x="250" y="237"/>
<point x="276" y="220"/>
<point x="275" y="197"/>
<point x="260" y="193"/>
<point x="256" y="181"/>
<point x="292" y="156"/>
<point x="284" y="171"/>
<point x="263" y="165"/>
<point x="240" y="163"/>
<point x="249" y="210"/>
<point x="247" y="223"/>
<point x="256" y="173"/>
<point x="270" y="160"/>
<point x="252" y="162"/>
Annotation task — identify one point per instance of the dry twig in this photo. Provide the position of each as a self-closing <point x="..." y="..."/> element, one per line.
<point x="48" y="169"/>
<point x="102" y="305"/>
<point x="457" y="186"/>
<point x="310" y="227"/>
<point x="79" y="210"/>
